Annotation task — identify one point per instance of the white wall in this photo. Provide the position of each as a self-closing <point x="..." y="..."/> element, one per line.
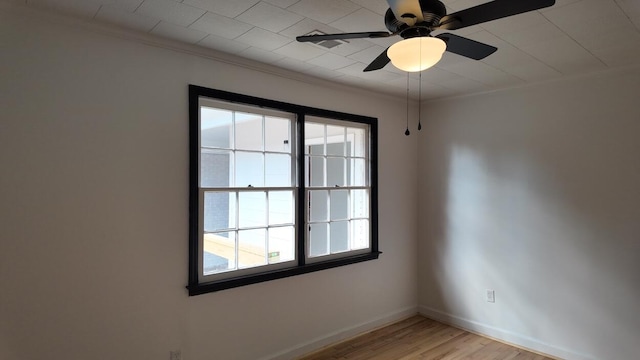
<point x="93" y="210"/>
<point x="535" y="193"/>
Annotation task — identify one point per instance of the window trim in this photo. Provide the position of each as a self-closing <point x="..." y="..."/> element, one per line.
<point x="195" y="286"/>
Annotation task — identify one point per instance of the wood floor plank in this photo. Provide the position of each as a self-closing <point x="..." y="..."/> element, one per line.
<point x="420" y="338"/>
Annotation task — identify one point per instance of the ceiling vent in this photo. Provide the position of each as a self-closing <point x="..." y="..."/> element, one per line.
<point x="328" y="44"/>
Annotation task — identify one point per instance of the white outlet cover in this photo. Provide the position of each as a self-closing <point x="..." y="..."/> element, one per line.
<point x="491" y="296"/>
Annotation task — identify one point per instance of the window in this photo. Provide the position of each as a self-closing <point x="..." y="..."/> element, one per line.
<point x="336" y="187"/>
<point x="276" y="190"/>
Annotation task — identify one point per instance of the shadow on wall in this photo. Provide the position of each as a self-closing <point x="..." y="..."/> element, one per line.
<point x="542" y="211"/>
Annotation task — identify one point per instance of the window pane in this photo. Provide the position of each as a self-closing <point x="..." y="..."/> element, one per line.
<point x="316" y="171"/>
<point x="357" y="172"/>
<point x="318" y="236"/>
<point x="278" y="170"/>
<point x="318" y="205"/>
<point x="248" y="131"/>
<point x="339" y="204"/>
<point x="359" y="204"/>
<point x="252" y="250"/>
<point x="314" y="139"/>
<point x="335" y="171"/>
<point x="357" y="139"/>
<point x="339" y="236"/>
<point x="215" y="168"/>
<point x="252" y="209"/>
<point x="219" y="252"/>
<point x="335" y="132"/>
<point x="219" y="211"/>
<point x="281" y="244"/>
<point x="336" y="149"/>
<point x="215" y="128"/>
<point x="249" y="169"/>
<point x="335" y="140"/>
<point x="359" y="234"/>
<point x="280" y="207"/>
<point x="277" y="134"/>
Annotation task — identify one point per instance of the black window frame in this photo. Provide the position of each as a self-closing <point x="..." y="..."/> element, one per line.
<point x="195" y="287"/>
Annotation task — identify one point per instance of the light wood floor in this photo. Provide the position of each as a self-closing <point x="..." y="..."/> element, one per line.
<point x="421" y="338"/>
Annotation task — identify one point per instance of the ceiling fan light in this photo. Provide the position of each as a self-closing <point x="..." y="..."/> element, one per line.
<point x="406" y="54"/>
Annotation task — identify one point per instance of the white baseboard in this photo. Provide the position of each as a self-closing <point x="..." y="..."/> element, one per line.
<point x="506" y="336"/>
<point x="342" y="334"/>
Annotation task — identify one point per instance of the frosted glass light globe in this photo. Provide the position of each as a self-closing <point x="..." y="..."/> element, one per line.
<point x="416" y="54"/>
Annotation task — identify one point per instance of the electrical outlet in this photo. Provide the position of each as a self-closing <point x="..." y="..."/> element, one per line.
<point x="175" y="355"/>
<point x="491" y="296"/>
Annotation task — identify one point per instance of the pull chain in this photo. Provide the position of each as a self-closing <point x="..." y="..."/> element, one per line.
<point x="407" y="132"/>
<point x="420" y="102"/>
<point x="420" y="91"/>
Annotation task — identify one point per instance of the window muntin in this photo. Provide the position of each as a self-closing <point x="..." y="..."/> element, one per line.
<point x="255" y="167"/>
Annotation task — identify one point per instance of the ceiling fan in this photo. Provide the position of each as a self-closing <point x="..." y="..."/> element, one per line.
<point x="414" y="20"/>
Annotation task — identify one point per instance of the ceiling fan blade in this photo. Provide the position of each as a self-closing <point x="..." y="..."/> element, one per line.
<point x="466" y="47"/>
<point x="406" y="7"/>
<point x="492" y="10"/>
<point x="342" y="36"/>
<point x="378" y="63"/>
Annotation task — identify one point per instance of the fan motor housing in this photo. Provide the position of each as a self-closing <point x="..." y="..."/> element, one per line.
<point x="432" y="12"/>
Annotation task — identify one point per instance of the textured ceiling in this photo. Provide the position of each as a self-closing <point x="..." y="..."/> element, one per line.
<point x="572" y="37"/>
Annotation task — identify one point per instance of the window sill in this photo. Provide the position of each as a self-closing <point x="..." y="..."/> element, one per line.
<point x="203" y="288"/>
